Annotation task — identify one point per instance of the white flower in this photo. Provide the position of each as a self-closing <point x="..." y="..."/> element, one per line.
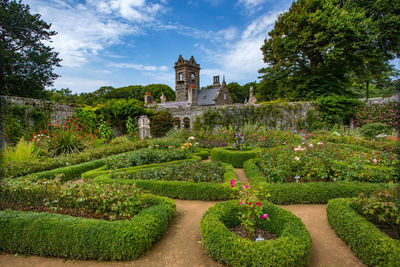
<point x="296" y="158"/>
<point x="192" y="138"/>
<point x="319" y="143"/>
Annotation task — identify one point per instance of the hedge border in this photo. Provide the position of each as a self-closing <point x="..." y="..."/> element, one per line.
<point x="180" y="189"/>
<point x="372" y="246"/>
<point x="234" y="157"/>
<point x="48" y="234"/>
<point x="312" y="193"/>
<point x="291" y="248"/>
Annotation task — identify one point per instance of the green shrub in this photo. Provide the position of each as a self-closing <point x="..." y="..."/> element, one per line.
<point x="161" y="123"/>
<point x="372" y="246"/>
<point x="202" y="154"/>
<point x="312" y="193"/>
<point x="180" y="189"/>
<point x="234" y="157"/>
<point x="64" y="141"/>
<point x="189" y="171"/>
<point x="337" y="109"/>
<point x="371" y="130"/>
<point x="145" y="156"/>
<point x="22" y="151"/>
<point x="291" y="248"/>
<point x="57" y="235"/>
<point x="326" y="162"/>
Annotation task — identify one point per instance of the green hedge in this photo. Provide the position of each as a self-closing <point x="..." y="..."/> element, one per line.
<point x="291" y="248"/>
<point x="48" y="234"/>
<point x="202" y="154"/>
<point x="315" y="192"/>
<point x="182" y="190"/>
<point x="234" y="157"/>
<point x="372" y="246"/>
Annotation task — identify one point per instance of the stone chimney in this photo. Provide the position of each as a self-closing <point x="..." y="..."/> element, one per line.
<point x="252" y="98"/>
<point x="216" y="83"/>
<point x="148" y="99"/>
<point x="163" y="98"/>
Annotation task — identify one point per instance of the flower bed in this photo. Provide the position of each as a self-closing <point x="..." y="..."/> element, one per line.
<point x="145" y="218"/>
<point x="234" y="157"/>
<point x="327" y="162"/>
<point x="372" y="246"/>
<point x="173" y="189"/>
<point x="312" y="192"/>
<point x="291" y="248"/>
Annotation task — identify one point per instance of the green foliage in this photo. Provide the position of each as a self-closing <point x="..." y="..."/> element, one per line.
<point x="105" y="130"/>
<point x="64" y="141"/>
<point x="337" y="109"/>
<point x="186" y="171"/>
<point x="26" y="62"/>
<point x="22" y="151"/>
<point x="236" y="158"/>
<point x="211" y="118"/>
<point x="371" y="130"/>
<point x="88" y="116"/>
<point x="312" y="193"/>
<point x="161" y="123"/>
<point x="131" y="128"/>
<point x="372" y="246"/>
<point x="291" y="248"/>
<point x="174" y="189"/>
<point x="327" y="162"/>
<point x="47" y="234"/>
<point x="319" y="47"/>
<point x="382" y="208"/>
<point x="145" y="156"/>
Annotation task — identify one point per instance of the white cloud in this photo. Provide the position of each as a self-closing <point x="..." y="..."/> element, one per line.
<point x="139" y="67"/>
<point x="83" y="33"/>
<point x="251" y="3"/>
<point x="133" y="10"/>
<point x="242" y="59"/>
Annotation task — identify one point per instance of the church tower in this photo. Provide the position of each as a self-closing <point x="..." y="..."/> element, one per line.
<point x="187" y="80"/>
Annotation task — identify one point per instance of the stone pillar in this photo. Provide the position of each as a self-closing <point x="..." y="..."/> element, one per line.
<point x="144" y="127"/>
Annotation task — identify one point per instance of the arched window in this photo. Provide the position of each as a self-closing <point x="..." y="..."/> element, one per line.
<point x="186" y="123"/>
<point x="177" y="123"/>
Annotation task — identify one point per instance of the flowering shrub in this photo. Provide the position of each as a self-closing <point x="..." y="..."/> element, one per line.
<point x="105" y="130"/>
<point x="187" y="171"/>
<point x="236" y="140"/>
<point x="388" y="114"/>
<point x="326" y="162"/>
<point x="372" y="130"/>
<point x="251" y="209"/>
<point x="382" y="208"/>
<point x="113" y="201"/>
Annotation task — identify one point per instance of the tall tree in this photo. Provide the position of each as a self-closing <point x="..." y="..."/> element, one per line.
<point x="26" y="62"/>
<point x="318" y="47"/>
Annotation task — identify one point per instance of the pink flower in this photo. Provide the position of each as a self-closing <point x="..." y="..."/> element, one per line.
<point x="246" y="186"/>
<point x="233" y="183"/>
<point x="264" y="216"/>
<point x="258" y="204"/>
<point x="241" y="203"/>
<point x="319" y="143"/>
<point x="310" y="145"/>
<point x="374" y="161"/>
<point x="296" y="158"/>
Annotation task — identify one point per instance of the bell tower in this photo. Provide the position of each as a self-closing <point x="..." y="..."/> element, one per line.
<point x="187" y="80"/>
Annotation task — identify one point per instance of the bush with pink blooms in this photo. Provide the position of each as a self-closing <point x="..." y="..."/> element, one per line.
<point x="388" y="114"/>
<point x="251" y="210"/>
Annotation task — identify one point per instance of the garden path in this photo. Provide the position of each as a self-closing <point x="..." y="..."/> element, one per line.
<point x="327" y="248"/>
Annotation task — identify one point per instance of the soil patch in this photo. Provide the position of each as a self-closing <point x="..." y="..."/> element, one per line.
<point x="240" y="231"/>
<point x="241" y="175"/>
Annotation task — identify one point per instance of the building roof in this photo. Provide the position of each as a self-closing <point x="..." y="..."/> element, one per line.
<point x="174" y="104"/>
<point x="206" y="97"/>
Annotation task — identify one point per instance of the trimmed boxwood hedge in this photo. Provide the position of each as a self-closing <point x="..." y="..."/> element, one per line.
<point x="291" y="248"/>
<point x="315" y="192"/>
<point x="372" y="246"/>
<point x="48" y="234"/>
<point x="234" y="157"/>
<point x="179" y="189"/>
<point x="202" y="154"/>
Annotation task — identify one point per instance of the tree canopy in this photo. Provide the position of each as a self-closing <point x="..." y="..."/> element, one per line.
<point x="26" y="62"/>
<point x="321" y="47"/>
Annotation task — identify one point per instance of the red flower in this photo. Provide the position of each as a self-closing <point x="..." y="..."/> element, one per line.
<point x="258" y="204"/>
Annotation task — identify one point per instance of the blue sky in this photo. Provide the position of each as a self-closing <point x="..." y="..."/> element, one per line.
<point x="130" y="42"/>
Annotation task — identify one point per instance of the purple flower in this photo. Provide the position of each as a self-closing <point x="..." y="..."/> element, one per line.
<point x="264" y="216"/>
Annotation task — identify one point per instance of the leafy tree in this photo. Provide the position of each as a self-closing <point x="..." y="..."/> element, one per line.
<point x="26" y="62"/>
<point x="160" y="123"/>
<point x="318" y="47"/>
